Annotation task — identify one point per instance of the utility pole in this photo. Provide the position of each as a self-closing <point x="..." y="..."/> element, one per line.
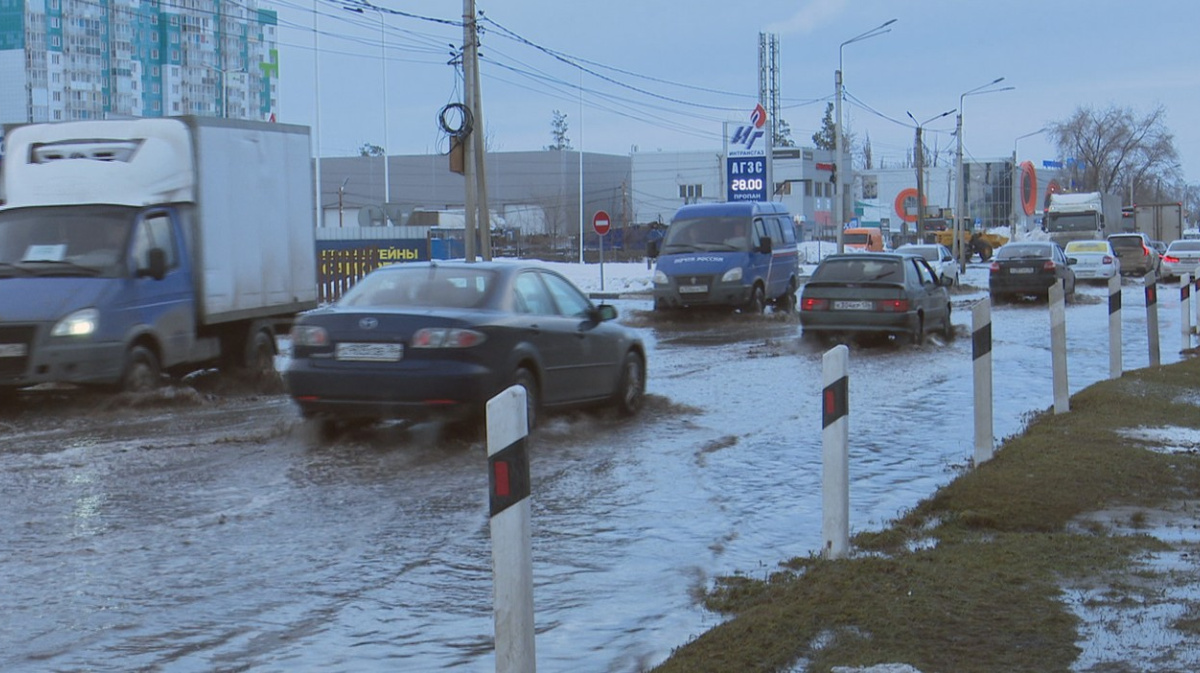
<point x="919" y="152"/>
<point x="470" y="61"/>
<point x="477" y="217"/>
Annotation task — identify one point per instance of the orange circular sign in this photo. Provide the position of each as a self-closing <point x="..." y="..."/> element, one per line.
<point x="905" y="199"/>
<point x="1029" y="188"/>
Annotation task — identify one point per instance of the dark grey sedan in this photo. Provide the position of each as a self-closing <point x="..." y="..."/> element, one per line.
<point x="1026" y="268"/>
<point x="876" y="293"/>
<point x="437" y="340"/>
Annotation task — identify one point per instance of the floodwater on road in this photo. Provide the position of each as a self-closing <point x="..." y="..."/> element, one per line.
<point x="192" y="532"/>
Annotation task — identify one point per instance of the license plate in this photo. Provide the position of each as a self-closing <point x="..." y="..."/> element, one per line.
<point x="364" y="352"/>
<point x="1025" y="270"/>
<point x="853" y="305"/>
<point x="13" y="350"/>
<point x="692" y="289"/>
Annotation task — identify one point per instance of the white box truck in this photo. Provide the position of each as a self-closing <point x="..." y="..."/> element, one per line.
<point x="133" y="248"/>
<point x="1082" y="216"/>
<point x="1160" y="221"/>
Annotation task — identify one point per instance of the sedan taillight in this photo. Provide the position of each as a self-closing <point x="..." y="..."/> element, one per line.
<point x="812" y="304"/>
<point x="309" y="335"/>
<point x="1107" y="260"/>
<point x="995" y="267"/>
<point x="446" y="337"/>
<point x="892" y="305"/>
<point x="1171" y="259"/>
<point x="1048" y="266"/>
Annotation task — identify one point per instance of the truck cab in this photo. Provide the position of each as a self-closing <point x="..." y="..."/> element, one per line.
<point x="740" y="255"/>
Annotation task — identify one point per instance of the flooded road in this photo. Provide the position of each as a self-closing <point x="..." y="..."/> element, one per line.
<point x="196" y="532"/>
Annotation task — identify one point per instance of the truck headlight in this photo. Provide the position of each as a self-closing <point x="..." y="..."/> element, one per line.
<point x="733" y="275"/>
<point x="80" y="323"/>
<point x="660" y="278"/>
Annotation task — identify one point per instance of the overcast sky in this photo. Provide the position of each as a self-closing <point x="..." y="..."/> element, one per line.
<point x="665" y="74"/>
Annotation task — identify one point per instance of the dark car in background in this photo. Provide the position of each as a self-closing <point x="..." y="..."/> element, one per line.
<point x="1029" y="268"/>
<point x="876" y="293"/>
<point x="437" y="340"/>
<point x="1137" y="255"/>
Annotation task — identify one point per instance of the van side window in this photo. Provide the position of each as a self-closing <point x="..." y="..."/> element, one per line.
<point x="760" y="230"/>
<point x="154" y="231"/>
<point x="789" y="230"/>
<point x="774" y="231"/>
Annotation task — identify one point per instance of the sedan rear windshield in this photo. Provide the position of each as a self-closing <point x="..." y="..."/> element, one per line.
<point x="859" y="270"/>
<point x="1024" y="251"/>
<point x="427" y="286"/>
<point x="1127" y="242"/>
<point x="1184" y="246"/>
<point x="1087" y="246"/>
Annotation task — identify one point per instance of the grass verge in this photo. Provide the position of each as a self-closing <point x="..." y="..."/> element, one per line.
<point x="970" y="579"/>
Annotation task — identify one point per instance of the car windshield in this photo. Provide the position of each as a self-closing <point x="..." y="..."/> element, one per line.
<point x="1023" y="251"/>
<point x="423" y="286"/>
<point x="859" y="270"/>
<point x="855" y="238"/>
<point x="708" y="234"/>
<point x="1087" y="246"/>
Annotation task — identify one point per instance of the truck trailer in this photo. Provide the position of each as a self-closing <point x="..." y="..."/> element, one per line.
<point x="1160" y="221"/>
<point x="133" y="248"/>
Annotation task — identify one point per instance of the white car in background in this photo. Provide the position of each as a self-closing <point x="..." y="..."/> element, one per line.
<point x="1183" y="256"/>
<point x="938" y="256"/>
<point x="1094" y="260"/>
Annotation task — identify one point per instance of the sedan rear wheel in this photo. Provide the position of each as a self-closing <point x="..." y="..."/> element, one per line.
<point x="947" y="326"/>
<point x="524" y="378"/>
<point x="918" y="335"/>
<point x="631" y="389"/>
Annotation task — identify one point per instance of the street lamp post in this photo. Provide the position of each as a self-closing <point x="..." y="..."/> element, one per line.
<point x="224" y="89"/>
<point x="919" y="152"/>
<point x="959" y="188"/>
<point x="840" y="167"/>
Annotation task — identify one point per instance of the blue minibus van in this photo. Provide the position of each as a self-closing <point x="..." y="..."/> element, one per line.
<point x="740" y="254"/>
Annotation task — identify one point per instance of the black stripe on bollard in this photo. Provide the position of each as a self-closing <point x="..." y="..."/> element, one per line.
<point x="1114" y="303"/>
<point x="1185" y="291"/>
<point x="836" y="402"/>
<point x="1151" y="294"/>
<point x="981" y="341"/>
<point x="508" y="479"/>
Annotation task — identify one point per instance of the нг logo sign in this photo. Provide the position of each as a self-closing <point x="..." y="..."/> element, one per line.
<point x="746" y="135"/>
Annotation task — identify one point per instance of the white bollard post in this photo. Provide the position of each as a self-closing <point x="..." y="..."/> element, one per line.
<point x="1152" y="319"/>
<point x="1196" y="299"/>
<point x="981" y="352"/>
<point x="835" y="441"/>
<point x="1114" y="327"/>
<point x="512" y="555"/>
<point x="1058" y="348"/>
<point x="1185" y="312"/>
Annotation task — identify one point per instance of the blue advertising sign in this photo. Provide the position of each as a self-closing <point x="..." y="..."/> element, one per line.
<point x="747" y="178"/>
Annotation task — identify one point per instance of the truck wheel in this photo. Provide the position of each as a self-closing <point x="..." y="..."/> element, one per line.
<point x="260" y="364"/>
<point x="142" y="371"/>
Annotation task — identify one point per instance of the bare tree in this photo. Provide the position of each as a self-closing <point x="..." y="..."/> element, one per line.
<point x="558" y="132"/>
<point x="370" y="150"/>
<point x="1114" y="149"/>
<point x="868" y="158"/>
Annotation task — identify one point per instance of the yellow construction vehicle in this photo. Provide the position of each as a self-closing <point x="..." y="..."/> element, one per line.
<point x="978" y="242"/>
